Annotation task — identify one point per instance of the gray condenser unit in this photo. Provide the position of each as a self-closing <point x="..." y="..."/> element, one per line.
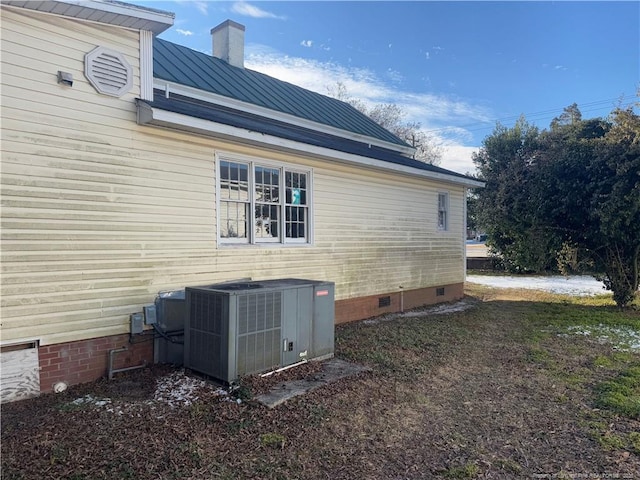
<point x="241" y="328"/>
<point x="170" y="311"/>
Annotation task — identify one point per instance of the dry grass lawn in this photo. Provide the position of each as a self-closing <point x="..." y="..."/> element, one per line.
<point x="511" y="387"/>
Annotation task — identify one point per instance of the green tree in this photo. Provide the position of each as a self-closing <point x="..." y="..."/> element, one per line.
<point x="507" y="162"/>
<point x="569" y="116"/>
<point x="472" y="211"/>
<point x="567" y="197"/>
<point x="615" y="205"/>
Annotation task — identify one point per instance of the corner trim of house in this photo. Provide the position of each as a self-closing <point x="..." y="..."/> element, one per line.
<point x="146" y="65"/>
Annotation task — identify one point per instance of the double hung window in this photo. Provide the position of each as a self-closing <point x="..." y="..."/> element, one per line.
<point x="262" y="203"/>
<point x="443" y="211"/>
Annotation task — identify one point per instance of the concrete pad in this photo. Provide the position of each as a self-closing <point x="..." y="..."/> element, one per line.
<point x="332" y="370"/>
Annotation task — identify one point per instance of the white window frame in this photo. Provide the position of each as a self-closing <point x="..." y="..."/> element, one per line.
<point x="443" y="208"/>
<point x="284" y="168"/>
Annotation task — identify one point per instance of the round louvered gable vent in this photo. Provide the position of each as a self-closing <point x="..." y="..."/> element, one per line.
<point x="108" y="71"/>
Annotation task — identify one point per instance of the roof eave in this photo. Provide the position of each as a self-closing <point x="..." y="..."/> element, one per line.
<point x="148" y="115"/>
<point x="103" y="11"/>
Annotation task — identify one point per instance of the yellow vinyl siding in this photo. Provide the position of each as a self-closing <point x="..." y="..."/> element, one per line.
<point x="381" y="232"/>
<point x="99" y="214"/>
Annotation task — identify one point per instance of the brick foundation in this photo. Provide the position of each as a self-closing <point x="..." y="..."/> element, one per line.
<point x="365" y="307"/>
<point x="88" y="360"/>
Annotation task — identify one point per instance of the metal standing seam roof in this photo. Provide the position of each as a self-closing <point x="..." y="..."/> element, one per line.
<point x="184" y="66"/>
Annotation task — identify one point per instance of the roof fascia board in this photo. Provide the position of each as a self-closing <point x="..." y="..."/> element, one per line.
<point x="197" y="94"/>
<point x="122" y="8"/>
<point x="148" y="115"/>
<point x="153" y="20"/>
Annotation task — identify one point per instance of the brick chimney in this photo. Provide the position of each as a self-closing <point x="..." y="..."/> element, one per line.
<point x="228" y="43"/>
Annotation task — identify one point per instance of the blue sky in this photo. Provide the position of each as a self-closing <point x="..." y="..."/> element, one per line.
<point x="457" y="68"/>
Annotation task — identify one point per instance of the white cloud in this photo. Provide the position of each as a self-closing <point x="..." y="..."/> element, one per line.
<point x="442" y="116"/>
<point x="186" y="33"/>
<point x="458" y="158"/>
<point x="306" y="43"/>
<point x="248" y="10"/>
<point x="202" y="7"/>
<point x="394" y="75"/>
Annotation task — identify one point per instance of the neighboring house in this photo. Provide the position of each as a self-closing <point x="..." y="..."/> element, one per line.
<point x="131" y="165"/>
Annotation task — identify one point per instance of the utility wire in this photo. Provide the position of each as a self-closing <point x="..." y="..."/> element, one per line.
<point x="544" y="114"/>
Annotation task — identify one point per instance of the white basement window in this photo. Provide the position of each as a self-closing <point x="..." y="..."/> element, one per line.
<point x="262" y="203"/>
<point x="443" y="211"/>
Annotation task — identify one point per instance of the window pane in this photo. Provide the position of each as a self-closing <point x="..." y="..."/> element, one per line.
<point x="296" y="193"/>
<point x="224" y="170"/>
<point x="296" y="226"/>
<point x="233" y="219"/>
<point x="266" y="221"/>
<point x="234" y="191"/>
<point x="267" y="183"/>
<point x="234" y="183"/>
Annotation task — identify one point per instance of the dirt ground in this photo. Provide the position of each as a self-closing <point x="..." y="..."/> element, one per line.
<point x="488" y="391"/>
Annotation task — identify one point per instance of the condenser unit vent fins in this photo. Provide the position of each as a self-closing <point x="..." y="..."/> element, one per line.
<point x="209" y="319"/>
<point x="259" y="331"/>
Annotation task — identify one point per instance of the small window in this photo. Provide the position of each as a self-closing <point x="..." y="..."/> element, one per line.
<point x="443" y="211"/>
<point x="250" y="186"/>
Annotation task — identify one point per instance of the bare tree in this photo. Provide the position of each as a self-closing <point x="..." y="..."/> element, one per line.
<point x="392" y="117"/>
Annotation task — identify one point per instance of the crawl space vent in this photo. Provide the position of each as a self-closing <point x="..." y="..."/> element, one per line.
<point x="384" y="301"/>
<point x="108" y="71"/>
<point x="439" y="291"/>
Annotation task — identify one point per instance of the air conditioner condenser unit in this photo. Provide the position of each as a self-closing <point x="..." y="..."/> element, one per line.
<point x="242" y="328"/>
